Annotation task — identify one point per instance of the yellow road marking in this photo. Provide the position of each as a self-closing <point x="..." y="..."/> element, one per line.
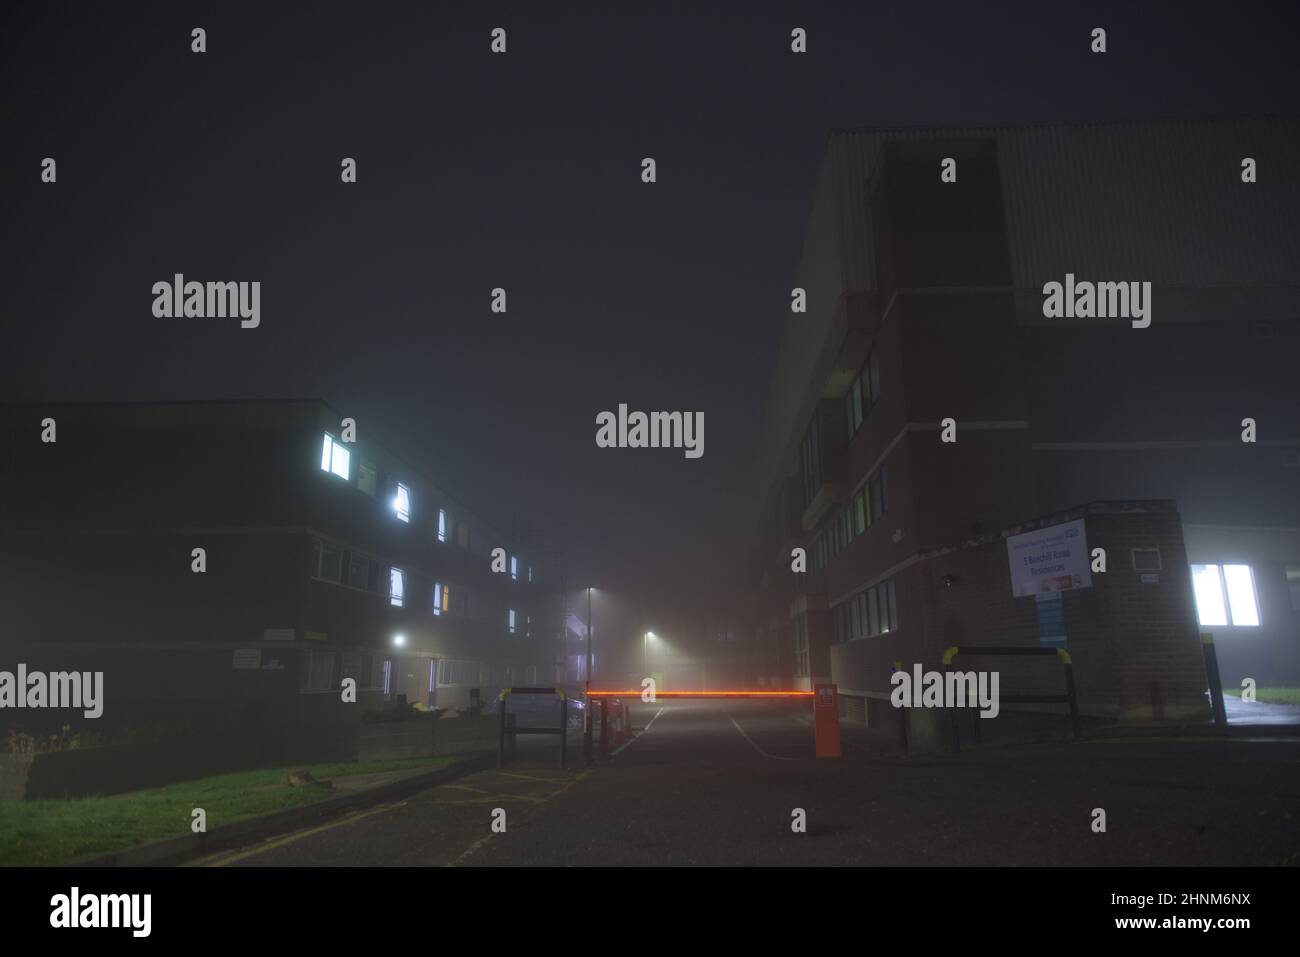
<point x="230" y="858"/>
<point x="500" y="798"/>
<point x="528" y="777"/>
<point x="226" y="858"/>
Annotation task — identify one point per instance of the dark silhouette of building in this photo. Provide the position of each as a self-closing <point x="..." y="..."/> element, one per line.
<point x="323" y="560"/>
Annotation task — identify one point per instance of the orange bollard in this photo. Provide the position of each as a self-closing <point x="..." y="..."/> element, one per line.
<point x="826" y="715"/>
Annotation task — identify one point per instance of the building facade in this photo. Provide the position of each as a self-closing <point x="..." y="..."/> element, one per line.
<point x="250" y="557"/>
<point x="925" y="306"/>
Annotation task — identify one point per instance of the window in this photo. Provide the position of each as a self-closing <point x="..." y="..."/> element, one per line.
<point x="334" y="457"/>
<point x="397" y="587"/>
<point x="1146" y="559"/>
<point x="462" y="535"/>
<point x="317" y="672"/>
<point x="327" y="561"/>
<point x="441" y="598"/>
<point x="454" y="672"/>
<point x="853" y="405"/>
<point x="366" y="670"/>
<point x="1293" y="585"/>
<point x="879" y="492"/>
<point x="442" y="524"/>
<point x="801" y="645"/>
<point x="358" y="566"/>
<point x="514" y="567"/>
<point x="367" y="478"/>
<point x="863" y="393"/>
<point x="1241" y="595"/>
<point x="402" y="502"/>
<point x="510" y="621"/>
<point x="1225" y="595"/>
<point x="868" y="613"/>
<point x="810" y="464"/>
<point x="530" y="572"/>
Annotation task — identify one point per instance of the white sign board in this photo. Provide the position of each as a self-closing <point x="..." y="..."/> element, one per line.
<point x="1049" y="560"/>
<point x="247" y="658"/>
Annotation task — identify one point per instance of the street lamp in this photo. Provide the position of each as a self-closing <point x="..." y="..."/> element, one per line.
<point x="586" y="739"/>
<point x="645" y="656"/>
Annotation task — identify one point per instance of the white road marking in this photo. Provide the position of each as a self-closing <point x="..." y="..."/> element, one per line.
<point x="633" y="738"/>
<point x="776" y="757"/>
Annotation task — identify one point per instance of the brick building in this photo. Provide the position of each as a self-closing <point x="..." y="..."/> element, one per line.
<point x="925" y="303"/>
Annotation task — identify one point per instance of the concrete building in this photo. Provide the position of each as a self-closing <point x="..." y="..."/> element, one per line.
<point x="925" y="302"/>
<point x="323" y="560"/>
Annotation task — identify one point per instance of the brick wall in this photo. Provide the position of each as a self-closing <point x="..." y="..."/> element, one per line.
<point x="1135" y="645"/>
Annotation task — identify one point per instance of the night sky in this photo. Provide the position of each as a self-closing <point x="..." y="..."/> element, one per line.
<point x="521" y="171"/>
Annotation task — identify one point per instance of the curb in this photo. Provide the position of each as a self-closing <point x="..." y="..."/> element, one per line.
<point x="1231" y="730"/>
<point x="179" y="849"/>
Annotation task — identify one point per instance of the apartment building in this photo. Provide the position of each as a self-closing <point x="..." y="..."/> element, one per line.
<point x="212" y="557"/>
<point x="925" y="297"/>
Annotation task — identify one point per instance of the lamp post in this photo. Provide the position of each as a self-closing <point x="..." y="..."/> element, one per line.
<point x="586" y="738"/>
<point x="645" y="653"/>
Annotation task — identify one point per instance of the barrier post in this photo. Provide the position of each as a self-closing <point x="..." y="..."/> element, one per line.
<point x="902" y="715"/>
<point x="948" y="656"/>
<point x="1068" y="664"/>
<point x="564" y="729"/>
<point x="501" y="728"/>
<point x="1212" y="674"/>
<point x="826" y="720"/>
<point x="604" y="728"/>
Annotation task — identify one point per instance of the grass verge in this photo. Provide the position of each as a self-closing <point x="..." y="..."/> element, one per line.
<point x="59" y="832"/>
<point x="1270" y="695"/>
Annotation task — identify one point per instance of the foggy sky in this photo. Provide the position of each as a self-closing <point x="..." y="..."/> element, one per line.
<point x="520" y="171"/>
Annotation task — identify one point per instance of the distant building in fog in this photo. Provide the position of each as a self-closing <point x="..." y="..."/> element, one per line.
<point x="325" y="560"/>
<point x="925" y="302"/>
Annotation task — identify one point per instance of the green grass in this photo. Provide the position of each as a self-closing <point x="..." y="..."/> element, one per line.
<point x="59" y="832"/>
<point x="1270" y="695"/>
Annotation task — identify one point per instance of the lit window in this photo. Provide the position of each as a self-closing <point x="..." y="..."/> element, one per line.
<point x="334" y="457"/>
<point x="402" y="502"/>
<point x="441" y="598"/>
<point x="442" y="524"/>
<point x="514" y="567"/>
<point x="530" y="572"/>
<point x="396" y="587"/>
<point x="511" y="621"/>
<point x="1208" y="589"/>
<point x="1241" y="595"/>
<point x="1212" y="583"/>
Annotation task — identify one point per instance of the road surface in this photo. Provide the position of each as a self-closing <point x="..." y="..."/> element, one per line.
<point x="720" y="783"/>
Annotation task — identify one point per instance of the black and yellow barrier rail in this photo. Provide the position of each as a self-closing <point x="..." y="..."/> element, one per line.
<point x="508" y="729"/>
<point x="1066" y="698"/>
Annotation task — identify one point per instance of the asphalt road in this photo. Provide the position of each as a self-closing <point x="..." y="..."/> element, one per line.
<point x="718" y="782"/>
